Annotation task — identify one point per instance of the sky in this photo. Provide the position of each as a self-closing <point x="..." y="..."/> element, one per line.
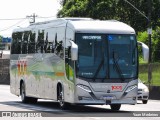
<point x="15" y="9"/>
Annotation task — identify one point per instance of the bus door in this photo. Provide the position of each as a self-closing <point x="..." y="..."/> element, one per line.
<point x="69" y="65"/>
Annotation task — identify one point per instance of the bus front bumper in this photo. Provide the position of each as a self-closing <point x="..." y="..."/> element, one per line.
<point x="88" y="101"/>
<point x="103" y="98"/>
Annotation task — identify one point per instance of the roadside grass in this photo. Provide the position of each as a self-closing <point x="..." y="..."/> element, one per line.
<point x="143" y="73"/>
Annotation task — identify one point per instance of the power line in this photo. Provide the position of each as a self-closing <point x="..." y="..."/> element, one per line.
<point x="22" y="20"/>
<point x="46" y="17"/>
<point x="6" y="19"/>
<point x="33" y="17"/>
<point x="12" y="19"/>
<point x="12" y="25"/>
<point x="137" y="9"/>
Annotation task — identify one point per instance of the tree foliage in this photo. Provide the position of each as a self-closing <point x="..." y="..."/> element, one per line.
<point x="122" y="11"/>
<point x="112" y="9"/>
<point x="143" y="37"/>
<point x="156" y="44"/>
<point x="1" y="37"/>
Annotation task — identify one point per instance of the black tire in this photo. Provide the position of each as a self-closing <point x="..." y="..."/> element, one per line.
<point x="115" y="107"/>
<point x="24" y="98"/>
<point x="60" y="97"/>
<point x="32" y="100"/>
<point x="144" y="101"/>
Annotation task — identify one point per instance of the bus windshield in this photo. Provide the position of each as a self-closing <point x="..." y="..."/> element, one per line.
<point x="106" y="56"/>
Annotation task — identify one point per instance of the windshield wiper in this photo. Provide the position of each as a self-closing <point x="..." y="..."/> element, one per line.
<point x="118" y="68"/>
<point x="99" y="68"/>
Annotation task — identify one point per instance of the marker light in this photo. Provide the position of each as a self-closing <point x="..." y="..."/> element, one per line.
<point x="84" y="87"/>
<point x="130" y="88"/>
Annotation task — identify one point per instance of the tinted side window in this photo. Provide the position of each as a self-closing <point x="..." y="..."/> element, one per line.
<point x="16" y="43"/>
<point x="59" y="46"/>
<point x="25" y="42"/>
<point x="48" y="46"/>
<point x="40" y="42"/>
<point x="31" y="42"/>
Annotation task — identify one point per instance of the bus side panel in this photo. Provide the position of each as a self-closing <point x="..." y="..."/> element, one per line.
<point x="53" y="68"/>
<point x="41" y="72"/>
<point x="69" y="65"/>
<point x="13" y="74"/>
<point x="30" y="74"/>
<point x="16" y="72"/>
<point x="44" y="71"/>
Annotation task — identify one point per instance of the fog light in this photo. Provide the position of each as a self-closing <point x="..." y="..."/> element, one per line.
<point x="84" y="98"/>
<point x="134" y="98"/>
<point x="79" y="98"/>
<point x="130" y="88"/>
<point x="84" y="87"/>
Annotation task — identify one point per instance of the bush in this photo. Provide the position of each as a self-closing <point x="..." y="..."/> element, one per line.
<point x="143" y="37"/>
<point x="143" y="73"/>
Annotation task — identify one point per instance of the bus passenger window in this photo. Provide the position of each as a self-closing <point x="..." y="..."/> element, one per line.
<point x="25" y="43"/>
<point x="48" y="48"/>
<point x="31" y="43"/>
<point x="16" y="43"/>
<point x="40" y="42"/>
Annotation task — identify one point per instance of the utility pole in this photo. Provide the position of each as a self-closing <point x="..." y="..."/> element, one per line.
<point x="149" y="43"/>
<point x="149" y="29"/>
<point x="33" y="17"/>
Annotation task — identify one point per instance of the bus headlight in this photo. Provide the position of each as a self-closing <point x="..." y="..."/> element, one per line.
<point x="130" y="88"/>
<point x="145" y="89"/>
<point x="84" y="87"/>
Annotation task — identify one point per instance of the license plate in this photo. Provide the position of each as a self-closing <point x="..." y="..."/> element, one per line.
<point x="108" y="102"/>
<point x="107" y="97"/>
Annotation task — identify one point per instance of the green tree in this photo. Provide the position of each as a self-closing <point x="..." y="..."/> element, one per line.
<point x="1" y="37"/>
<point x="122" y="11"/>
<point x="143" y="37"/>
<point x="156" y="44"/>
<point x="112" y="9"/>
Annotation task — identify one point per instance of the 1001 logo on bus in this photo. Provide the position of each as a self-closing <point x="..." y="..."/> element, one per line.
<point x="22" y="67"/>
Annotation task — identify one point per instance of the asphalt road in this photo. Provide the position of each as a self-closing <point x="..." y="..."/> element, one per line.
<point x="10" y="102"/>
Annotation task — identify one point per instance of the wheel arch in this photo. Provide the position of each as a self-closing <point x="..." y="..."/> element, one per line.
<point x="21" y="81"/>
<point x="59" y="86"/>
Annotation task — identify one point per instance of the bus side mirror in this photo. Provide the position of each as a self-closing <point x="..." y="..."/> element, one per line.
<point x="145" y="51"/>
<point x="74" y="51"/>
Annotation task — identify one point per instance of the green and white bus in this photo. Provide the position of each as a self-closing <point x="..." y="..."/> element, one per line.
<point x="76" y="61"/>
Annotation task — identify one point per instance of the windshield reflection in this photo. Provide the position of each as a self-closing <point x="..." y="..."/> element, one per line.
<point x="96" y="59"/>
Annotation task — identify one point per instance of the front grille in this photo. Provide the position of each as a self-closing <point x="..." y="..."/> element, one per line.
<point x="139" y="97"/>
<point x="145" y="96"/>
<point x="139" y="89"/>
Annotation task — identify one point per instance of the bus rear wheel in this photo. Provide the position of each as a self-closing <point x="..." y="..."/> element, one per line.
<point x="24" y="98"/>
<point x="115" y="107"/>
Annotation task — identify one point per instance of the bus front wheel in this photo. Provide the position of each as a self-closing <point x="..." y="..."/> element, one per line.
<point x="115" y="107"/>
<point x="60" y="96"/>
<point x="144" y="101"/>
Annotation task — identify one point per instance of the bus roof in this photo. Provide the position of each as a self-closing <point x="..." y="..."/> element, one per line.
<point x="97" y="26"/>
<point x="84" y="25"/>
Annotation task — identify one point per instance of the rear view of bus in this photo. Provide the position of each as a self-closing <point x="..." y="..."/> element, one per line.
<point x="107" y="65"/>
